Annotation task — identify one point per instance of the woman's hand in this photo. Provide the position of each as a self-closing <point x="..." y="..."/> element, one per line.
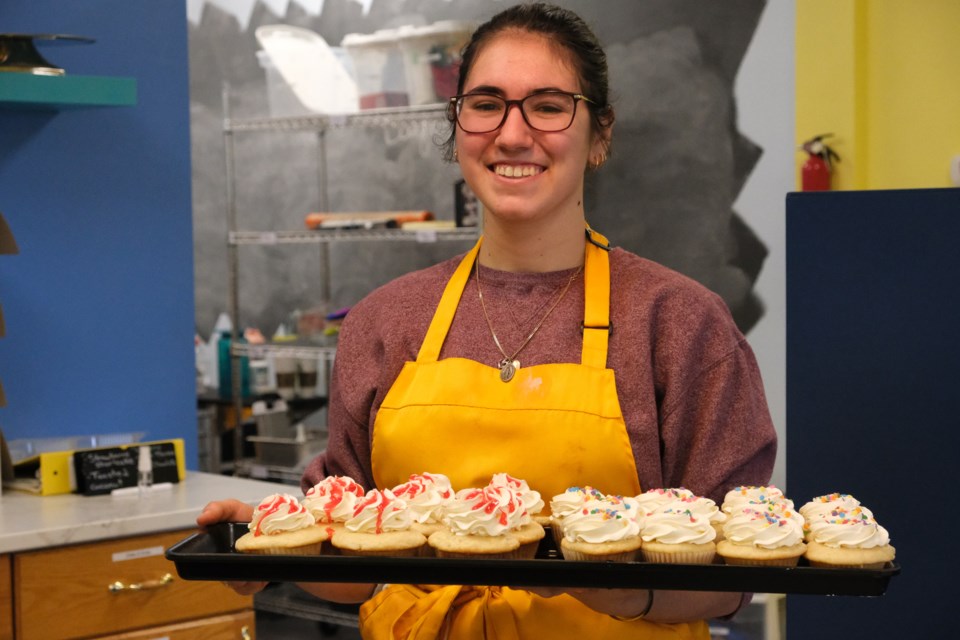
<point x="230" y="511"/>
<point x="224" y="511"/>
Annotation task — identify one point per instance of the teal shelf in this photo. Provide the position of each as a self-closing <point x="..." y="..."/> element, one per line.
<point x="27" y="90"/>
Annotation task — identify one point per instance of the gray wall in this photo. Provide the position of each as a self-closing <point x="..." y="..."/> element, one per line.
<point x="681" y="167"/>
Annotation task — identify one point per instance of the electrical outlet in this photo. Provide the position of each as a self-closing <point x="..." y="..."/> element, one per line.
<point x="955" y="170"/>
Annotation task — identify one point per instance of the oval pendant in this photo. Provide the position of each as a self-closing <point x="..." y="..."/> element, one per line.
<point x="508" y="370"/>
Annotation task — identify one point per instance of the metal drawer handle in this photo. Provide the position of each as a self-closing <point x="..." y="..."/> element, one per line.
<point x="245" y="633"/>
<point x="117" y="587"/>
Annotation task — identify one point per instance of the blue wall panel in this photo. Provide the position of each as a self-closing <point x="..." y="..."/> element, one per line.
<point x="99" y="303"/>
<point x="873" y="364"/>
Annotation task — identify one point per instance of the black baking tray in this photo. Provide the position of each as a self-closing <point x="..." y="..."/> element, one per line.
<point x="209" y="555"/>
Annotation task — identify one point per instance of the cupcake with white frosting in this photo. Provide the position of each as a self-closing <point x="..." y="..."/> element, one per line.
<point x="426" y="496"/>
<point x="602" y="530"/>
<point x="479" y="522"/>
<point x="679" y="535"/>
<point x="849" y="539"/>
<point x="380" y="526"/>
<point x="764" y="536"/>
<point x="282" y="526"/>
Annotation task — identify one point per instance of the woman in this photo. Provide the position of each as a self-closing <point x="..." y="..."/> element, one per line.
<point x="542" y="352"/>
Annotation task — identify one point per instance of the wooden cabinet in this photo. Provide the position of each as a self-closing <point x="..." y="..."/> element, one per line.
<point x="122" y="588"/>
<point x="6" y="599"/>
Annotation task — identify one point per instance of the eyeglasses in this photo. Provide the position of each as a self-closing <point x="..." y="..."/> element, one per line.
<point x="547" y="111"/>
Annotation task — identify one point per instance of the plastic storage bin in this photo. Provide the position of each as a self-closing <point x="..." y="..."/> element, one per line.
<point x="379" y="69"/>
<point x="304" y="75"/>
<point x="431" y="59"/>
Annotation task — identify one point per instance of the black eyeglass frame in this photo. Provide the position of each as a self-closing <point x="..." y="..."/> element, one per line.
<point x="456" y="103"/>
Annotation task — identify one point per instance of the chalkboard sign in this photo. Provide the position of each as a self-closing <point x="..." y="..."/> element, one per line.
<point x="101" y="471"/>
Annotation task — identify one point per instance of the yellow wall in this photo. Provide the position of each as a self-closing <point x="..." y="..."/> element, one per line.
<point x="883" y="76"/>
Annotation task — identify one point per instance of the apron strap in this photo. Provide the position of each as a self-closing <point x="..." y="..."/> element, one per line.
<point x="443" y="318"/>
<point x="596" y="294"/>
<point x="596" y="314"/>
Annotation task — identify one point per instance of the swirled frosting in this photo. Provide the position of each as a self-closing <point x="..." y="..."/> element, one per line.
<point x="768" y="528"/>
<point x="601" y="521"/>
<point x="571" y="500"/>
<point x="823" y="506"/>
<point x="677" y="524"/>
<point x="279" y="513"/>
<point x="532" y="502"/>
<point x="490" y="511"/>
<point x="655" y="499"/>
<point x="740" y="497"/>
<point x="379" y="511"/>
<point x="852" y="529"/>
<point x="701" y="506"/>
<point x="426" y="496"/>
<point x="333" y="499"/>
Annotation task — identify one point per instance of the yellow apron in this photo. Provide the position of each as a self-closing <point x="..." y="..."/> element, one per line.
<point x="554" y="425"/>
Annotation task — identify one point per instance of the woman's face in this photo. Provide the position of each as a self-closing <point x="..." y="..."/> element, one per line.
<point x="517" y="172"/>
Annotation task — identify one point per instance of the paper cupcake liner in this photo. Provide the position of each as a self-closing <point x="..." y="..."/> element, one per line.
<point x="761" y="562"/>
<point x="872" y="566"/>
<point x="460" y="555"/>
<point x="580" y="556"/>
<point x="305" y="550"/>
<point x="383" y="553"/>
<point x="678" y="557"/>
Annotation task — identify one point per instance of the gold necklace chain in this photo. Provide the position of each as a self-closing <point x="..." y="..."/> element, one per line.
<point x="509" y="364"/>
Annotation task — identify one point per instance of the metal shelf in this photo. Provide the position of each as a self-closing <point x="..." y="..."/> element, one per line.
<point x="372" y="118"/>
<point x="349" y="235"/>
<point x="298" y="350"/>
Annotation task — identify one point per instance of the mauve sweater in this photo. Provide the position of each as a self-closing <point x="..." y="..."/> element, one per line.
<point x="688" y="383"/>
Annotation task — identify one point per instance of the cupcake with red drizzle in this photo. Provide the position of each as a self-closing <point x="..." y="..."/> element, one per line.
<point x="532" y="502"/>
<point x="426" y="495"/>
<point x="333" y="500"/>
<point x="380" y="526"/>
<point x="479" y="523"/>
<point x="282" y="526"/>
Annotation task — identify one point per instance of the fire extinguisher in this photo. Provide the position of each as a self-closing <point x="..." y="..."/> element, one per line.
<point x="815" y="173"/>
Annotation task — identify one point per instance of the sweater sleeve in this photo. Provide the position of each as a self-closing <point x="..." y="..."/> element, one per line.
<point x="716" y="429"/>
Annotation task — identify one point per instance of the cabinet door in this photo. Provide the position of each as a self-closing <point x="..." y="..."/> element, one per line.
<point x="6" y="599"/>
<point x="108" y="587"/>
<point x="233" y="626"/>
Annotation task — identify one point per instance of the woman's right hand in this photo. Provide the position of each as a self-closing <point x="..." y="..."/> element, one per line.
<point x="230" y="511"/>
<point x="224" y="511"/>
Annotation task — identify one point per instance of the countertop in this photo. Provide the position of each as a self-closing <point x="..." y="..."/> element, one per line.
<point x="36" y="522"/>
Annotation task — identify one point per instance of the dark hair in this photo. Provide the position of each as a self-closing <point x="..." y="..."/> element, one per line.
<point x="565" y="28"/>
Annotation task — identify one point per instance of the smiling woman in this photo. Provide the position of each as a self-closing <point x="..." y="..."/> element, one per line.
<point x="436" y="371"/>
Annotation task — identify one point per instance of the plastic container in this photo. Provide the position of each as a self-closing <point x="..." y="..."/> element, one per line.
<point x="304" y="75"/>
<point x="431" y="59"/>
<point x="378" y="65"/>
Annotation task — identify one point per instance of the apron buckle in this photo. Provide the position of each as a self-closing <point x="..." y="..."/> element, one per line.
<point x="602" y="327"/>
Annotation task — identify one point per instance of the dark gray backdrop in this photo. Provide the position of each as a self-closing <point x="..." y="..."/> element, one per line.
<point x="667" y="192"/>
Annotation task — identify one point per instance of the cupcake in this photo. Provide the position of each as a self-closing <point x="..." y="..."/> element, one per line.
<point x="655" y="499"/>
<point x="532" y="502"/>
<point x="426" y="495"/>
<point x="706" y="508"/>
<point x="380" y="526"/>
<point x="565" y="503"/>
<point x="826" y="506"/>
<point x="849" y="539"/>
<point x="676" y="534"/>
<point x="478" y="525"/>
<point x="740" y="497"/>
<point x="602" y="530"/>
<point x="333" y="499"/>
<point x="764" y="536"/>
<point x="282" y="526"/>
